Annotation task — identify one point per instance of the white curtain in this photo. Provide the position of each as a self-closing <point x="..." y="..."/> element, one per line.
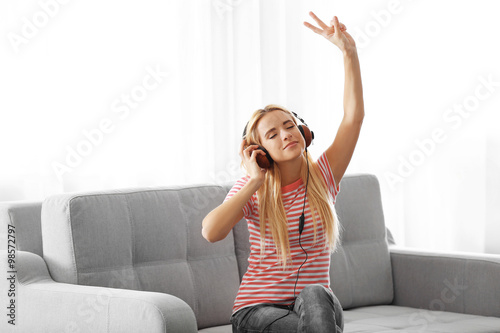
<point x="118" y="94"/>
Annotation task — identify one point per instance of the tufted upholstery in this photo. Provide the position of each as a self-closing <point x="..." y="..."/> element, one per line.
<point x="361" y="272"/>
<point x="146" y="240"/>
<point x="150" y="240"/>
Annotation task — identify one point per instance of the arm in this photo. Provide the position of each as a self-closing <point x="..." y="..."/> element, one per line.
<point x="219" y="222"/>
<point x="339" y="153"/>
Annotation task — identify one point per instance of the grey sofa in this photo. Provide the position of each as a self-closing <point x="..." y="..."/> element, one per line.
<point x="134" y="260"/>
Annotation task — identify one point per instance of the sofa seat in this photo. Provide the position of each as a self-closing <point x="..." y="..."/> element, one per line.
<point x="391" y="318"/>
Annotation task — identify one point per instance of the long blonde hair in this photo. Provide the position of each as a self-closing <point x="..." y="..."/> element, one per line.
<point x="270" y="200"/>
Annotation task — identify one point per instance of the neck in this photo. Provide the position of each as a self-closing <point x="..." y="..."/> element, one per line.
<point x="290" y="171"/>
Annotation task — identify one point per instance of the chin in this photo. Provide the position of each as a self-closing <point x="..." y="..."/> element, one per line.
<point x="290" y="156"/>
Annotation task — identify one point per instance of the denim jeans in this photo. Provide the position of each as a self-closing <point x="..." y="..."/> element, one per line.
<point x="316" y="309"/>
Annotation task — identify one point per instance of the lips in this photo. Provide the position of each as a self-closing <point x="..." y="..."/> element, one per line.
<point x="291" y="143"/>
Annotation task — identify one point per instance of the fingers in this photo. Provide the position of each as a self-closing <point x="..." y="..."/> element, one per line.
<point x="336" y="24"/>
<point x="339" y="27"/>
<point x="313" y="28"/>
<point x="320" y="23"/>
<point x="255" y="152"/>
<point x="342" y="25"/>
<point x="242" y="145"/>
<point x="247" y="152"/>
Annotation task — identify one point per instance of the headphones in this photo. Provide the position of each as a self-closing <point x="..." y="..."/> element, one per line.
<point x="267" y="161"/>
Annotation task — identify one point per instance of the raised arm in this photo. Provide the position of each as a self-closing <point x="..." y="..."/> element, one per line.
<point x="339" y="153"/>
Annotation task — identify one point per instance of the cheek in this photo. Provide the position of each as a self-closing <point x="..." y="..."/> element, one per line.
<point x="299" y="135"/>
<point x="273" y="147"/>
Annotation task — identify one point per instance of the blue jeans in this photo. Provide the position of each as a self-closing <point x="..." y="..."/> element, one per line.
<point x="316" y="309"/>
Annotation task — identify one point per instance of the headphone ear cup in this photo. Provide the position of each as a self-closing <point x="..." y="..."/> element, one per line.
<point x="307" y="134"/>
<point x="266" y="161"/>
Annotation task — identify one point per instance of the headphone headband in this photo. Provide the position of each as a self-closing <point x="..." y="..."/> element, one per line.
<point x="295" y="115"/>
<point x="302" y="120"/>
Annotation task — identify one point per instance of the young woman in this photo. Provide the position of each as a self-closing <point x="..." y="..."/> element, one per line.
<point x="287" y="285"/>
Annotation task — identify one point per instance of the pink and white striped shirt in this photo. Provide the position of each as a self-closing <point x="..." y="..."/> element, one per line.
<point x="265" y="280"/>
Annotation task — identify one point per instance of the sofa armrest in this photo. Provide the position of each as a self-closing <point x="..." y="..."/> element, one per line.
<point x="43" y="305"/>
<point x="456" y="282"/>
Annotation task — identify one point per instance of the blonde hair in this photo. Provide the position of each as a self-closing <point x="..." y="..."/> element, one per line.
<point x="270" y="200"/>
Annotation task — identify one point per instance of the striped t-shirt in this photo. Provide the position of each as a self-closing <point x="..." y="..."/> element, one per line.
<point x="265" y="281"/>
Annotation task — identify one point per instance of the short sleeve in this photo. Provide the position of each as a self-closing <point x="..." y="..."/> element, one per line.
<point x="327" y="174"/>
<point x="248" y="208"/>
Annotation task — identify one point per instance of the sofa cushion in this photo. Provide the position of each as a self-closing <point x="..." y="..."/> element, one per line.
<point x="143" y="239"/>
<point x="360" y="270"/>
<point x="391" y="319"/>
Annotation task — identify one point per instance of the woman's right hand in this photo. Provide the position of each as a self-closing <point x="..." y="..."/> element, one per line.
<point x="248" y="155"/>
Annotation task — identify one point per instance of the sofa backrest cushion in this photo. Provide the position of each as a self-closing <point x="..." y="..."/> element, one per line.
<point x="26" y="219"/>
<point x="360" y="271"/>
<point x="143" y="239"/>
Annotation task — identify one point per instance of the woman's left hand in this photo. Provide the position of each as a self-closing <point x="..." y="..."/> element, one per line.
<point x="335" y="33"/>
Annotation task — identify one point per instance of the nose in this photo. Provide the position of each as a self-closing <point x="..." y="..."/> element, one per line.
<point x="286" y="134"/>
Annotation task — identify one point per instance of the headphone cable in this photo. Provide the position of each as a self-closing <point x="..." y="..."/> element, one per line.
<point x="301" y="227"/>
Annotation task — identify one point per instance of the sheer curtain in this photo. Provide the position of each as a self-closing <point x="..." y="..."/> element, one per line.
<point x="119" y="94"/>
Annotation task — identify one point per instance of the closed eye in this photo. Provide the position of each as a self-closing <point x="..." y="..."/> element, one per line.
<point x="286" y="128"/>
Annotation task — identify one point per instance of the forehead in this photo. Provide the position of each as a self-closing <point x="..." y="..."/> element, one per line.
<point x="272" y="119"/>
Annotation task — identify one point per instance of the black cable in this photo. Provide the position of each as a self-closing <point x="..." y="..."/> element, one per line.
<point x="301" y="228"/>
<point x="275" y="321"/>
